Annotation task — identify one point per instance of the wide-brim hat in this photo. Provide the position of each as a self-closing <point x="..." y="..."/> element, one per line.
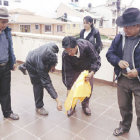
<point x="131" y="16"/>
<point x="4" y="13"/>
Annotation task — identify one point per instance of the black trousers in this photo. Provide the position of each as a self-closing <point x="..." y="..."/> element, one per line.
<point x="5" y="85"/>
<point x="126" y="89"/>
<point x="37" y="86"/>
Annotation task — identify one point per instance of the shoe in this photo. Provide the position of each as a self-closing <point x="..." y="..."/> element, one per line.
<point x="87" y="111"/>
<point x="13" y="116"/>
<point x="22" y="69"/>
<point x="120" y="131"/>
<point x="42" y="111"/>
<point x="70" y="112"/>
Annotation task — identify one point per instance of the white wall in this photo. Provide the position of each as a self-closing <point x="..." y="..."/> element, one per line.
<point x="24" y="42"/>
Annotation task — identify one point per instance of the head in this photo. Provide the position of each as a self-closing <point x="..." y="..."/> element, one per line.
<point x="130" y="21"/>
<point x="88" y="22"/>
<point x="70" y="45"/>
<point x="49" y="60"/>
<point x="55" y="48"/>
<point x="4" y="18"/>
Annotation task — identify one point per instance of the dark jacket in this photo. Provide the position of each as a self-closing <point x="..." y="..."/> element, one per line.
<point x="88" y="60"/>
<point x="94" y="38"/>
<point x="115" y="54"/>
<point x="12" y="59"/>
<point x="35" y="65"/>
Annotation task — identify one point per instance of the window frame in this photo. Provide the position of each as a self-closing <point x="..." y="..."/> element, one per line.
<point x="59" y="28"/>
<point x="50" y="28"/>
<point x="23" y="31"/>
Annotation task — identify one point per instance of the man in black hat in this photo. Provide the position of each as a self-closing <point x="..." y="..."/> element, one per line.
<point x="124" y="55"/>
<point x="7" y="63"/>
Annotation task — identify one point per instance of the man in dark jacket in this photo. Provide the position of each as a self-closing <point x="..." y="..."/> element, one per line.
<point x="38" y="64"/>
<point x="124" y="55"/>
<point x="78" y="56"/>
<point x="7" y="63"/>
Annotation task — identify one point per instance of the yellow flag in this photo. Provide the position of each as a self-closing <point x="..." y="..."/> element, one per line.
<point x="79" y="91"/>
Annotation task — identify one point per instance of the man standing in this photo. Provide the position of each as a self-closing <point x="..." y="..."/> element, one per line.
<point x="7" y="63"/>
<point x="78" y="56"/>
<point x="124" y="55"/>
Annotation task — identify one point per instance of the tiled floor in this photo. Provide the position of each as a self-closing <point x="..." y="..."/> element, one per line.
<point x="57" y="126"/>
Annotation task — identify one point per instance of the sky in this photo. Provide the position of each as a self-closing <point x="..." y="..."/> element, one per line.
<point x="48" y="7"/>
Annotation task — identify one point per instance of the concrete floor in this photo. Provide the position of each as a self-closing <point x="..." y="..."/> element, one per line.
<point x="57" y="126"/>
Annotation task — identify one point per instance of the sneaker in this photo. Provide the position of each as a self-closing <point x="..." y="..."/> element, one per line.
<point x="42" y="111"/>
<point x="13" y="116"/>
<point x="70" y="112"/>
<point x="87" y="111"/>
<point x="120" y="131"/>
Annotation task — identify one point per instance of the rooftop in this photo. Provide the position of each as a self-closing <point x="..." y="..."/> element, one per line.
<point x="57" y="126"/>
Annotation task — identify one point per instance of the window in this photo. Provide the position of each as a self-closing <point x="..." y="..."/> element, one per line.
<point x="0" y="2"/>
<point x="74" y="25"/>
<point x="6" y="3"/>
<point x="113" y="22"/>
<point x="47" y="28"/>
<point x="101" y="22"/>
<point x="114" y="12"/>
<point x="94" y="21"/>
<point x="59" y="28"/>
<point x="25" y="28"/>
<point x="68" y="26"/>
<point x="113" y="3"/>
<point x="36" y="26"/>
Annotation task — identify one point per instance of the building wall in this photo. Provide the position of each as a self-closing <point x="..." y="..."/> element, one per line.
<point x="67" y="29"/>
<point x="73" y="29"/>
<point x="41" y="30"/>
<point x="110" y="32"/>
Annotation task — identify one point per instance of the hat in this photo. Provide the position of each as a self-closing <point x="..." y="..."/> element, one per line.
<point x="131" y="16"/>
<point x="4" y="13"/>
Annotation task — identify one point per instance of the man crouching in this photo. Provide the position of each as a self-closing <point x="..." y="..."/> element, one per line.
<point x="38" y="64"/>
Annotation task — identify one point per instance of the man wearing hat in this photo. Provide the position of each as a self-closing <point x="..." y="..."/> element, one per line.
<point x="124" y="55"/>
<point x="7" y="63"/>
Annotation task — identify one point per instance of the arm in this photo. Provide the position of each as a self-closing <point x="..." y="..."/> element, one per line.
<point x="47" y="84"/>
<point x="111" y="55"/>
<point x="67" y="71"/>
<point x="11" y="51"/>
<point x="98" y="44"/>
<point x="95" y="58"/>
<point x="138" y="70"/>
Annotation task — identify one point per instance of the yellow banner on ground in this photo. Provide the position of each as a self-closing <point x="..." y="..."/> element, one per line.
<point x="79" y="91"/>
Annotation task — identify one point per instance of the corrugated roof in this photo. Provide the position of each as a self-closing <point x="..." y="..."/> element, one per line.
<point x="34" y="19"/>
<point x="20" y="11"/>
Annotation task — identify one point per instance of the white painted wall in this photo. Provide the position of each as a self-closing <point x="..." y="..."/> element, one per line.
<point x="24" y="42"/>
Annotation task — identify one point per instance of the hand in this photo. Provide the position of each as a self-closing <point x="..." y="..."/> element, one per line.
<point x="59" y="105"/>
<point x="14" y="67"/>
<point x="132" y="73"/>
<point x="90" y="75"/>
<point x="123" y="64"/>
<point x="52" y="69"/>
